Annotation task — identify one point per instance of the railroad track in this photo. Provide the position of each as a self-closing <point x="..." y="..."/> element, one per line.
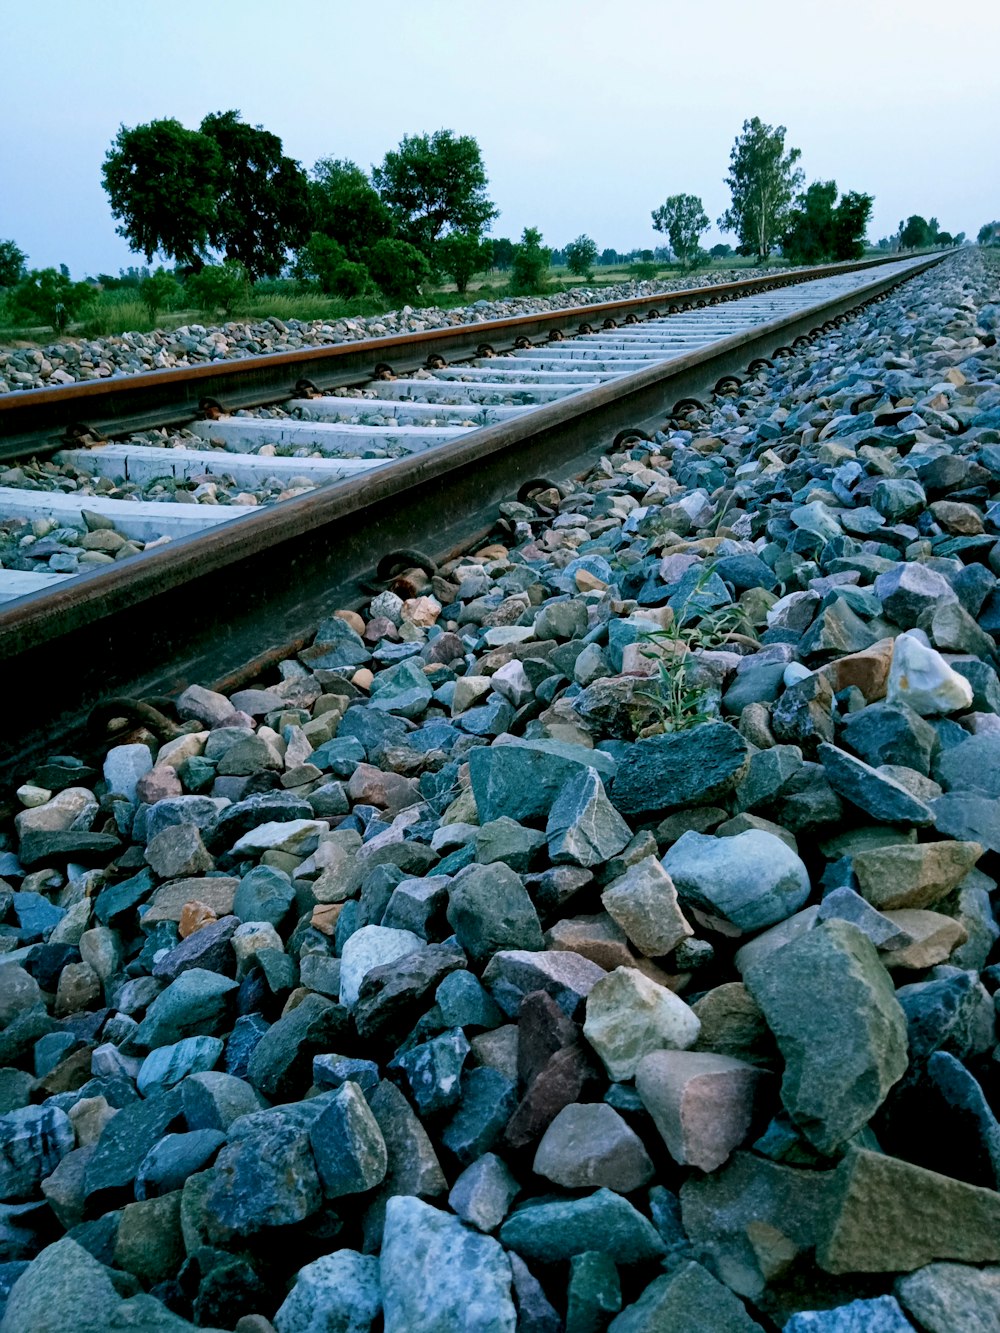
<point x="424" y="450"/>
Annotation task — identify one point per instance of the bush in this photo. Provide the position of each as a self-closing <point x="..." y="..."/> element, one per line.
<point x="47" y="296"/>
<point x="323" y="262"/>
<point x="581" y="256"/>
<point x="218" y="286"/>
<point x="529" y="264"/>
<point x="159" y="291"/>
<point x="642" y="271"/>
<point x="398" y="269"/>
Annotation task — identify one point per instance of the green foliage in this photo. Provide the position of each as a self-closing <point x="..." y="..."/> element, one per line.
<point x="398" y="268"/>
<point x="261" y="196"/>
<point x="529" y="263"/>
<point x="762" y="180"/>
<point x="347" y="208"/>
<point x="462" y="254"/>
<point x="643" y="271"/>
<point x="435" y="183"/>
<point x="581" y="256"/>
<point x="47" y="296"/>
<point x="161" y="180"/>
<point x="503" y="253"/>
<point x="158" y="291"/>
<point x="609" y="257"/>
<point x="12" y="259"/>
<point x="682" y="219"/>
<point x="219" y="286"/>
<point x="916" y="233"/>
<point x="820" y="229"/>
<point x="324" y="263"/>
<point x="721" y="251"/>
<point x="989" y="234"/>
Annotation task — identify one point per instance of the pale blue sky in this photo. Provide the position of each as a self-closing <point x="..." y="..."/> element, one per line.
<point x="588" y="114"/>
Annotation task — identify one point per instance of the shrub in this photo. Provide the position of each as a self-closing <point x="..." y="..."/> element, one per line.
<point x="219" y="286"/>
<point x="398" y="269"/>
<point x="47" y="296"/>
<point x="529" y="264"/>
<point x="158" y="291"/>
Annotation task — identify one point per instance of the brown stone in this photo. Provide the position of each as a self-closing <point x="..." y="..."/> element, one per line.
<point x="561" y="1081"/>
<point x="701" y="1103"/>
<point x="159" y="783"/>
<point x="542" y="1029"/>
<point x="643" y="902"/>
<point x="914" y="875"/>
<point x="69" y="1074"/>
<point x="351" y="618"/>
<point x="388" y="791"/>
<point x="324" y="917"/>
<point x="964" y="520"/>
<point x="933" y="937"/>
<point x="79" y="988"/>
<point x="889" y="1216"/>
<point x="595" y="937"/>
<point x="867" y="671"/>
<point x="732" y="1024"/>
<point x="194" y="915"/>
<point x="169" y="900"/>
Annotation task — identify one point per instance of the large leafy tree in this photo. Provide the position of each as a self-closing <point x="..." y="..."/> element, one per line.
<point x="162" y="180"/>
<point x="682" y="219"/>
<point x="989" y="234"/>
<point x="261" y="196"/>
<point x="821" y="229"/>
<point x="850" y="224"/>
<point x="915" y="233"/>
<point x="762" y="179"/>
<point x="435" y="183"/>
<point x="12" y="259"/>
<point x="347" y="208"/>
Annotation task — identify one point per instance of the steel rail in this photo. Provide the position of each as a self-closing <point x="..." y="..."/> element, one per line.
<point x="218" y="607"/>
<point x="37" y="421"/>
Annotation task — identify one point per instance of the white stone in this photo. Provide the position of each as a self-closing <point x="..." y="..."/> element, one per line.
<point x="512" y="682"/>
<point x="628" y="1015"/>
<point x="920" y="677"/>
<point x="124" y="766"/>
<point x="369" y="947"/>
<point x="298" y="836"/>
<point x="62" y="812"/>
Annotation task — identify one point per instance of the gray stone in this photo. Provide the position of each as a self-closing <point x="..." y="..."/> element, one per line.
<point x="567" y="977"/>
<point x="169" y="1163"/>
<point x="909" y="589"/>
<point x="265" y="894"/>
<point x="433" y="1070"/>
<point x="63" y="1288"/>
<point x="583" y="826"/>
<point x="402" y="689"/>
<point x="508" y="841"/>
<point x="33" y="1140"/>
<point x="589" y="1145"/>
<point x="348" y="1146"/>
<point x="197" y="1003"/>
<point x="283" y="1057"/>
<point x="686" y="1299"/>
<point x="846" y="1048"/>
<point x="668" y="772"/>
<point x="369" y="948"/>
<point x="124" y="765"/>
<point x="337" y="1293"/>
<point x="489" y="909"/>
<point x="751" y="880"/>
<point x="522" y="778"/>
<point x="483" y="1193"/>
<point x="124" y="1143"/>
<point x="604" y="1221"/>
<point x="595" y="1292"/>
<point x="436" y="1274"/>
<point x="881" y="1314"/>
<point x="164" y="1068"/>
<point x="881" y="797"/>
<point x="952" y="1298"/>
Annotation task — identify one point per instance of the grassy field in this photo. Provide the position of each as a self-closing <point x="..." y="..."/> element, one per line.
<point x="119" y="311"/>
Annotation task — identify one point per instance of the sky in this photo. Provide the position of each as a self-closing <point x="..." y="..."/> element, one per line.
<point x="589" y="113"/>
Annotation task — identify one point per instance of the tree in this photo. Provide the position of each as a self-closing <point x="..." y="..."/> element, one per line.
<point x="398" y="268"/>
<point x="945" y="238"/>
<point x="47" y="296"/>
<point x="347" y="208"/>
<point x="529" y="263"/>
<point x="161" y="180"/>
<point x="682" y="220"/>
<point x="820" y="229"/>
<point x="12" y="259"/>
<point x="581" y="256"/>
<point x="219" y="286"/>
<point x="915" y="234"/>
<point x="461" y="254"/>
<point x="989" y="234"/>
<point x="158" y="290"/>
<point x="323" y="262"/>
<point x="762" y="179"/>
<point x="261" y="196"/>
<point x="721" y="251"/>
<point x="503" y="253"/>
<point x="435" y="183"/>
